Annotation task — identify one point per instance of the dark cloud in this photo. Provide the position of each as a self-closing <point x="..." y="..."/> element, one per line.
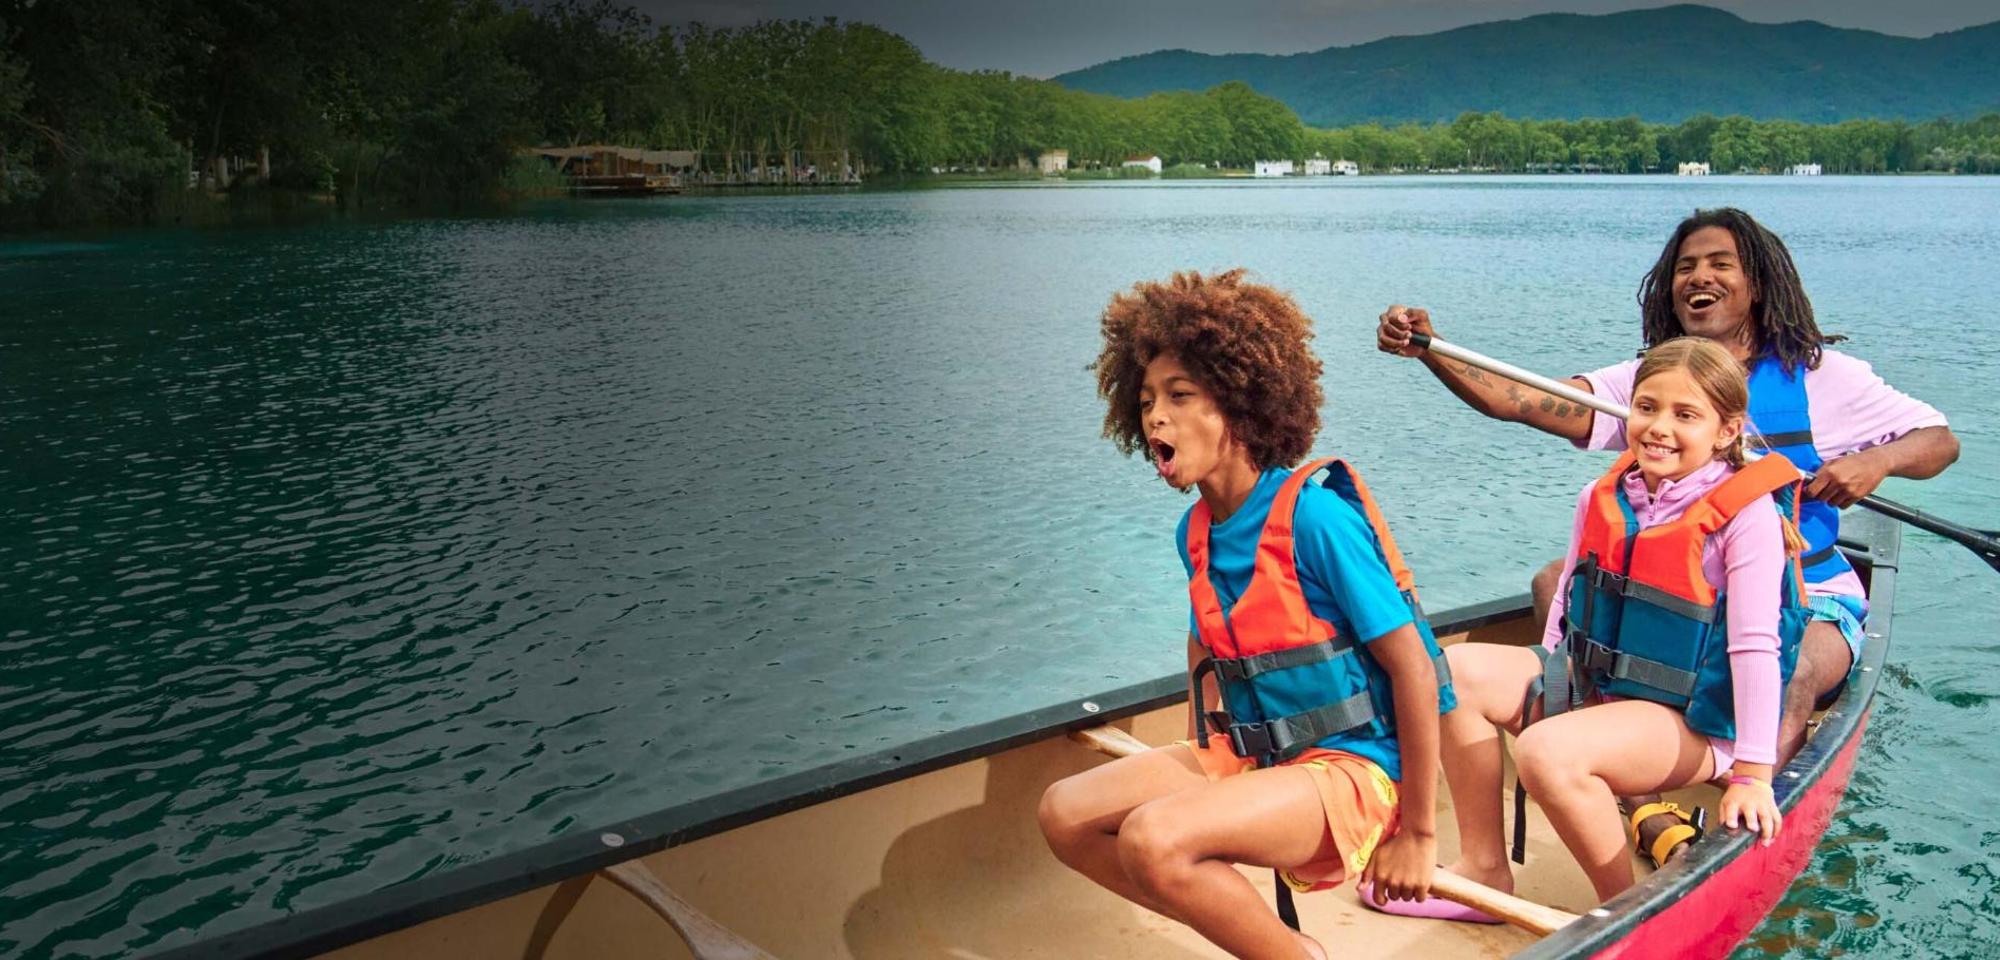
<point x="1047" y="37"/>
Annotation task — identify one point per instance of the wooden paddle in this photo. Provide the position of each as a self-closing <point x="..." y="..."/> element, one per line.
<point x="1985" y="543"/>
<point x="705" y="938"/>
<point x="1526" y="914"/>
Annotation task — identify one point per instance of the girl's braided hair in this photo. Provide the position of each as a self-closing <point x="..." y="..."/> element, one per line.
<point x="1782" y="315"/>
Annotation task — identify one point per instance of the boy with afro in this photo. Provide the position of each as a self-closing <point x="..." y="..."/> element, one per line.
<point x="1304" y="638"/>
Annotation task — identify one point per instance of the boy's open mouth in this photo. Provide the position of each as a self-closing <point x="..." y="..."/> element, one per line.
<point x="1163" y="458"/>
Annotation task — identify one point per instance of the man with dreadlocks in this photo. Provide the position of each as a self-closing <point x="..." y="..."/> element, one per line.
<point x="1725" y="277"/>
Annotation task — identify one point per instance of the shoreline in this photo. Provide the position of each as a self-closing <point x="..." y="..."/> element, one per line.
<point x="270" y="207"/>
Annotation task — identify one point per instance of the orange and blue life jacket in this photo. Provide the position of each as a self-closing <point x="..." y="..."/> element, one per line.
<point x="1289" y="680"/>
<point x="1779" y="411"/>
<point x="1642" y="619"/>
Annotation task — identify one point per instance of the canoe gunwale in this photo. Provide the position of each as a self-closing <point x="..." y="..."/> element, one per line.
<point x="582" y="852"/>
<point x="1839" y="728"/>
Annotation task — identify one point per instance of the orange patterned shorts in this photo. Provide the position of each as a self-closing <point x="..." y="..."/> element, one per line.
<point x="1359" y="799"/>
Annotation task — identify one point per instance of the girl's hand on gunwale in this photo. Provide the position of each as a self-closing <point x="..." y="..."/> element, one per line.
<point x="1750" y="803"/>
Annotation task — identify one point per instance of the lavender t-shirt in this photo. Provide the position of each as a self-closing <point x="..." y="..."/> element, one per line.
<point x="1852" y="410"/>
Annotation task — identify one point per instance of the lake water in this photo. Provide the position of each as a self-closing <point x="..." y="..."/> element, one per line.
<point x="342" y="555"/>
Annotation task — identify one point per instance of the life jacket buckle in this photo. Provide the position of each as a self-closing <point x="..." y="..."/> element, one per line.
<point x="1592" y="657"/>
<point x="1230" y="671"/>
<point x="1250" y="739"/>
<point x="1218" y="722"/>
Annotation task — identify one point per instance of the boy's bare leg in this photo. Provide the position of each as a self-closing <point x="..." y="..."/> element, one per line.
<point x="1181" y="851"/>
<point x="1082" y="814"/>
<point x="1491" y="680"/>
<point x="1578" y="763"/>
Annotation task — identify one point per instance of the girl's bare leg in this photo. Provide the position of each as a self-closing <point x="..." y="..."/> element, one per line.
<point x="1081" y="815"/>
<point x="1181" y="851"/>
<point x="1577" y="764"/>
<point x="1491" y="680"/>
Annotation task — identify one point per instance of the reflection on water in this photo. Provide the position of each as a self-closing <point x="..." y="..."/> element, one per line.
<point x="338" y="556"/>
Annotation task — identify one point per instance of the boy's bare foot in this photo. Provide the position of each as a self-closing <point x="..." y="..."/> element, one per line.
<point x="1500" y="878"/>
<point x="1312" y="948"/>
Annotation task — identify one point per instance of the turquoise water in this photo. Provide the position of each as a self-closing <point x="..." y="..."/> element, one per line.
<point x="344" y="555"/>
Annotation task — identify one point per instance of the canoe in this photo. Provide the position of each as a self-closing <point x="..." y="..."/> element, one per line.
<point x="932" y="850"/>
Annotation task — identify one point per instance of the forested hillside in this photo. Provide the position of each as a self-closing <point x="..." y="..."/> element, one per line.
<point x="135" y="110"/>
<point x="1662" y="65"/>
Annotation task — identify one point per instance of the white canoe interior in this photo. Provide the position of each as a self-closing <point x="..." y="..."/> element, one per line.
<point x="946" y="864"/>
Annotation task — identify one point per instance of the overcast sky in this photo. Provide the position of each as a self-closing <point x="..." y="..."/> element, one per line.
<point x="1046" y="37"/>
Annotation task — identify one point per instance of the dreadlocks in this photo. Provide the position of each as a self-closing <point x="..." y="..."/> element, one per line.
<point x="1782" y="315"/>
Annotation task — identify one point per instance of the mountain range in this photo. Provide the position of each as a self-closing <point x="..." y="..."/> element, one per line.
<point x="1662" y="65"/>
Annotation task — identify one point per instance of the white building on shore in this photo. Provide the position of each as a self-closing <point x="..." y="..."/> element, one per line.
<point x="1318" y="167"/>
<point x="1693" y="169"/>
<point x="1804" y="170"/>
<point x="1346" y="168"/>
<point x="1274" y="168"/>
<point x="1150" y="161"/>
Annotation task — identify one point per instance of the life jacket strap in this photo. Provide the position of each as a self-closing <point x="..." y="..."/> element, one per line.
<point x="1201" y="670"/>
<point x="1557" y="696"/>
<point x="1277" y="740"/>
<point x="1820" y="556"/>
<point x="1244" y="668"/>
<point x="1603" y="663"/>
<point x="1623" y="586"/>
<point x="1288" y="736"/>
<point x="1787" y="438"/>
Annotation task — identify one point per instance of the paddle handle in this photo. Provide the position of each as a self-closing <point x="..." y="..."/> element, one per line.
<point x="1110" y="741"/>
<point x="1526" y="914"/>
<point x="1984" y="542"/>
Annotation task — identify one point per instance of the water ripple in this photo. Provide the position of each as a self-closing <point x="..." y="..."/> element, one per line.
<point x="342" y="556"/>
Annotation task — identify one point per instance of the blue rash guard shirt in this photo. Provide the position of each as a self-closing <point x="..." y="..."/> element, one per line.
<point x="1341" y="571"/>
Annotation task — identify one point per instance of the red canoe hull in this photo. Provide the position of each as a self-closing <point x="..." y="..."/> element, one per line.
<point x="1714" y="917"/>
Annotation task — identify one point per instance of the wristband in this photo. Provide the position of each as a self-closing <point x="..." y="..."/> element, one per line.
<point x="1748" y="781"/>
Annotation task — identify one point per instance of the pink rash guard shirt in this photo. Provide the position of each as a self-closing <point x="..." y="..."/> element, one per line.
<point x="1746" y="561"/>
<point x="1852" y="410"/>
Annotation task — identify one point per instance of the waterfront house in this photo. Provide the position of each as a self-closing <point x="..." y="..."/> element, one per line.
<point x="603" y="168"/>
<point x="1804" y="170"/>
<point x="1692" y="169"/>
<point x="1052" y="163"/>
<point x="1150" y="161"/>
<point x="1346" y="168"/>
<point x="1318" y="167"/>
<point x="1274" y="168"/>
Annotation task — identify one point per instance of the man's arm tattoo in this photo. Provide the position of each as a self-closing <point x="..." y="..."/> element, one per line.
<point x="1514" y="393"/>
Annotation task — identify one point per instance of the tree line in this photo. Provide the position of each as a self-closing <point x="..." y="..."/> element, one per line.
<point x="111" y="109"/>
<point x="1490" y="141"/>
